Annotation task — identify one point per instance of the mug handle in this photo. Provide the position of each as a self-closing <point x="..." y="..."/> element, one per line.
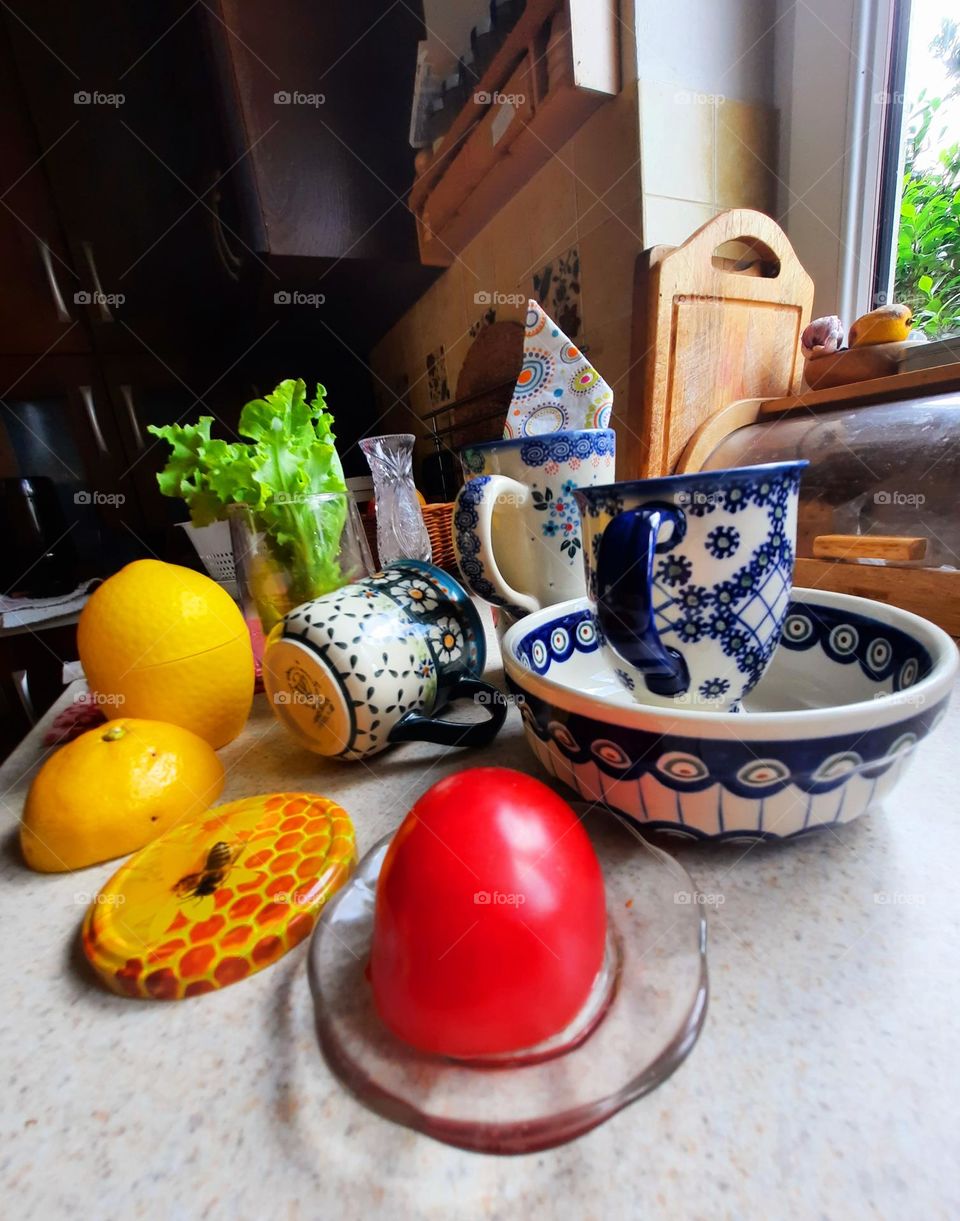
<point x="625" y="600"/>
<point x="415" y="727"/>
<point x="473" y="544"/>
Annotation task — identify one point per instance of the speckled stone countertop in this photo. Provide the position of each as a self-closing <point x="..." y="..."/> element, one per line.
<point x="824" y="1084"/>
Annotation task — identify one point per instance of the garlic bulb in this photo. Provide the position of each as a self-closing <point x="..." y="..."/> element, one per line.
<point x="822" y="336"/>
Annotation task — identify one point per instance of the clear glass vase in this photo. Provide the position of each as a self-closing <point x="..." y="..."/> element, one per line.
<point x="294" y="550"/>
<point x="401" y="531"/>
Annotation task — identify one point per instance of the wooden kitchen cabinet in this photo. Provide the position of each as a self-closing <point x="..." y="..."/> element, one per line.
<point x="143" y="391"/>
<point x="321" y="97"/>
<point x="37" y="310"/>
<point x="31" y="675"/>
<point x="116" y="93"/>
<point x="57" y="421"/>
<point x="187" y="189"/>
<point x="316" y="103"/>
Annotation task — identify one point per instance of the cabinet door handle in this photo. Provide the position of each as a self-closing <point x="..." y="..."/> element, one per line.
<point x="126" y="393"/>
<point x="99" y="296"/>
<point x="229" y="259"/>
<point x="58" y="302"/>
<point x="86" y="396"/>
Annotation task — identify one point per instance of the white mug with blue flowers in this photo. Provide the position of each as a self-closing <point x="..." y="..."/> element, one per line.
<point x="690" y="579"/>
<point x="516" y="525"/>
<point x="376" y="661"/>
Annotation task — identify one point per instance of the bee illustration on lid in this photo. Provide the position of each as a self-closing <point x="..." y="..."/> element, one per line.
<point x="213" y="873"/>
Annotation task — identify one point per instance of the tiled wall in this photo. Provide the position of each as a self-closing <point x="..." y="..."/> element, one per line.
<point x="568" y="238"/>
<point x="702" y="153"/>
<point x="584" y="216"/>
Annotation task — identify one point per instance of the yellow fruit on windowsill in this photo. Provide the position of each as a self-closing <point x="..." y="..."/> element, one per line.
<point x="888" y="324"/>
<point x="114" y="789"/>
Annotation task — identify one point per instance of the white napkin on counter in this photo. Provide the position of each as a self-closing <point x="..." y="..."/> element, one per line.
<point x="21" y="612"/>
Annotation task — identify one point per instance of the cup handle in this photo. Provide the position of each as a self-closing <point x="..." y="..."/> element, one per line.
<point x="625" y="594"/>
<point x="415" y="727"/>
<point x="473" y="541"/>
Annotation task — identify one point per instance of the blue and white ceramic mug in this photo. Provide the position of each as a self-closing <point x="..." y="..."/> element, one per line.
<point x="690" y="577"/>
<point x="516" y="526"/>
<point x="374" y="662"/>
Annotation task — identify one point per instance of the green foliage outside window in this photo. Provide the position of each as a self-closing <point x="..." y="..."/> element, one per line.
<point x="928" y="241"/>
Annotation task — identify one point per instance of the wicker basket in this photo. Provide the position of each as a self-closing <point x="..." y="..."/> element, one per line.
<point x="438" y="519"/>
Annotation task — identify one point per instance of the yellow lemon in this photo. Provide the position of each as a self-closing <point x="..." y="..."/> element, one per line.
<point x="114" y="789"/>
<point x="161" y="641"/>
<point x="887" y="324"/>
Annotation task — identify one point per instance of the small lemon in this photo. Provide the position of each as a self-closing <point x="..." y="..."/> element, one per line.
<point x="887" y="324"/>
<point x="112" y="790"/>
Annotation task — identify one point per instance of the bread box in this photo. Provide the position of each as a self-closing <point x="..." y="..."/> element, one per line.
<point x="879" y="502"/>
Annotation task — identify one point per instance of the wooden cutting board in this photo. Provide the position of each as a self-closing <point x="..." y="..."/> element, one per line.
<point x="710" y="326"/>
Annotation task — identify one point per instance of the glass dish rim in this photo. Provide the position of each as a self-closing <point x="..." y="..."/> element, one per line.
<point x="305" y="498"/>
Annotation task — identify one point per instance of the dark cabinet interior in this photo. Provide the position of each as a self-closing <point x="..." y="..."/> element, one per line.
<point x="320" y="161"/>
<point x="329" y="182"/>
<point x="129" y="146"/>
<point x="176" y="208"/>
<point x="180" y="229"/>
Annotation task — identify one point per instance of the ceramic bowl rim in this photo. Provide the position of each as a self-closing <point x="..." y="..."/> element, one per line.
<point x="507" y="442"/>
<point x="669" y="483"/>
<point x="885" y="709"/>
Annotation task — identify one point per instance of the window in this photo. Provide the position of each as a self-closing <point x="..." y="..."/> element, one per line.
<point x="924" y="253"/>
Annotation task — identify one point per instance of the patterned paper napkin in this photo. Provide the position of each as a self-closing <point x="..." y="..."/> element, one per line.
<point x="557" y="388"/>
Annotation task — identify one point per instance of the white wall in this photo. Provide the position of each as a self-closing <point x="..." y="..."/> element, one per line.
<point x="449" y="23"/>
<point x="707" y="120"/>
<point x="831" y="64"/>
<point x="712" y="46"/>
<point x="813" y="136"/>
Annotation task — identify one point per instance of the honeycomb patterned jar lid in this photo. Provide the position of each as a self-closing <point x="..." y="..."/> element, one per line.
<point x="219" y="898"/>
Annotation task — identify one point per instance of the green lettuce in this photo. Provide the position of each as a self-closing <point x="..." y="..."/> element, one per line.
<point x="290" y="454"/>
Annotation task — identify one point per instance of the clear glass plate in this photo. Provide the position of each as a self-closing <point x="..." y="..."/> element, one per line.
<point x="640" y="1022"/>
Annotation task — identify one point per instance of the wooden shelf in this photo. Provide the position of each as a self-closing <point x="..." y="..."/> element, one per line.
<point x="936" y="380"/>
<point x="558" y="64"/>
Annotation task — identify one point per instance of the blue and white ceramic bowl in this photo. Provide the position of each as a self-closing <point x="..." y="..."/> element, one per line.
<point x="825" y="735"/>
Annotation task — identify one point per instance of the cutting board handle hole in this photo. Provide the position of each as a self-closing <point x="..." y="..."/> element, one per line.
<point x="747" y="256"/>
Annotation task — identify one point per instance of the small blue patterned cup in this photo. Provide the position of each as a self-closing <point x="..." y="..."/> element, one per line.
<point x="690" y="577"/>
<point x="516" y="526"/>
